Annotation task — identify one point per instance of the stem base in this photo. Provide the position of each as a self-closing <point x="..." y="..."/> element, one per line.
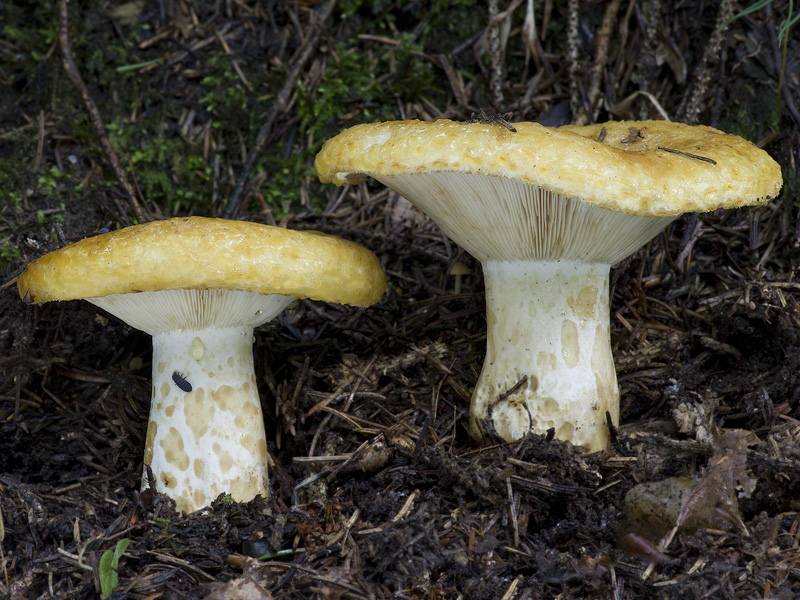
<point x="547" y="327"/>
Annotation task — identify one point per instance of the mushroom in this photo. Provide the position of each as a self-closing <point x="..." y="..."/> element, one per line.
<point x="547" y="212"/>
<point x="199" y="286"/>
<point x="458" y="270"/>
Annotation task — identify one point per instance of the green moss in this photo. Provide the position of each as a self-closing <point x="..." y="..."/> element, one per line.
<point x="49" y="188"/>
<point x="171" y="172"/>
<point x="9" y="252"/>
<point x="359" y="85"/>
<point x="225" y="97"/>
<point x="179" y="170"/>
<point x="753" y="117"/>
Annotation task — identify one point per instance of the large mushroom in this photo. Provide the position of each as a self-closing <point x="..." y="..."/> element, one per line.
<point x="547" y="212"/>
<point x="199" y="286"/>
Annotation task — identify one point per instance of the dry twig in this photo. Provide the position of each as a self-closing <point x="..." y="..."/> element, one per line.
<point x="600" y="60"/>
<point x="94" y="114"/>
<point x="239" y="194"/>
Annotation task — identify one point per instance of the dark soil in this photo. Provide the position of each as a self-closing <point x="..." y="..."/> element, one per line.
<point x="377" y="490"/>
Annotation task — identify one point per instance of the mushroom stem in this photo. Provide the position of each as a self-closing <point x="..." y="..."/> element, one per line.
<point x="457" y="284"/>
<point x="547" y="327"/>
<point x="209" y="440"/>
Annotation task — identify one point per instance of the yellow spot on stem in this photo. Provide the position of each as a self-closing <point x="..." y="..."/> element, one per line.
<point x="198" y="413"/>
<point x="225" y="459"/>
<point x="174" y="452"/>
<point x="570" y="351"/>
<point x="223" y="397"/>
<point x="198" y="350"/>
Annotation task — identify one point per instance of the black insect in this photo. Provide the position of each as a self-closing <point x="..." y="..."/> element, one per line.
<point x="485" y="117"/>
<point x="181" y="382"/>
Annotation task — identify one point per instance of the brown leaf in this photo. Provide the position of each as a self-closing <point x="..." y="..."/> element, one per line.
<point x="714" y="501"/>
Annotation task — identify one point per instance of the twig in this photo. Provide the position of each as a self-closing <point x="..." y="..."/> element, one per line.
<point x="513" y="503"/>
<point x="76" y="558"/>
<point x="647" y="63"/>
<point x="238" y="195"/>
<point x="620" y="107"/>
<point x="512" y="588"/>
<point x="94" y="114"/>
<point x="692" y="104"/>
<point x="780" y="61"/>
<point x="572" y="57"/>
<point x="689" y="154"/>
<point x="39" y="144"/>
<point x="495" y="56"/>
<point x="600" y="60"/>
<point x="513" y="389"/>
<point x="495" y="43"/>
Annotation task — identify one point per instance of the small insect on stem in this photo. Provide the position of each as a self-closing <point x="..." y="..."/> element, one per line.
<point x="151" y="479"/>
<point x="485" y="117"/>
<point x="682" y="153"/>
<point x="181" y="382"/>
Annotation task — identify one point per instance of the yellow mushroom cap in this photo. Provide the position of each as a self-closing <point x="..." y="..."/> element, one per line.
<point x="643" y="168"/>
<point x="197" y="253"/>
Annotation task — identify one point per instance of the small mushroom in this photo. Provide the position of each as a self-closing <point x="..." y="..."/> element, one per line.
<point x="458" y="270"/>
<point x="548" y="211"/>
<point x="199" y="286"/>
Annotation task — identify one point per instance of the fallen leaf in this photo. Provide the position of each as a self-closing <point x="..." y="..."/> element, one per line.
<point x="715" y="499"/>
